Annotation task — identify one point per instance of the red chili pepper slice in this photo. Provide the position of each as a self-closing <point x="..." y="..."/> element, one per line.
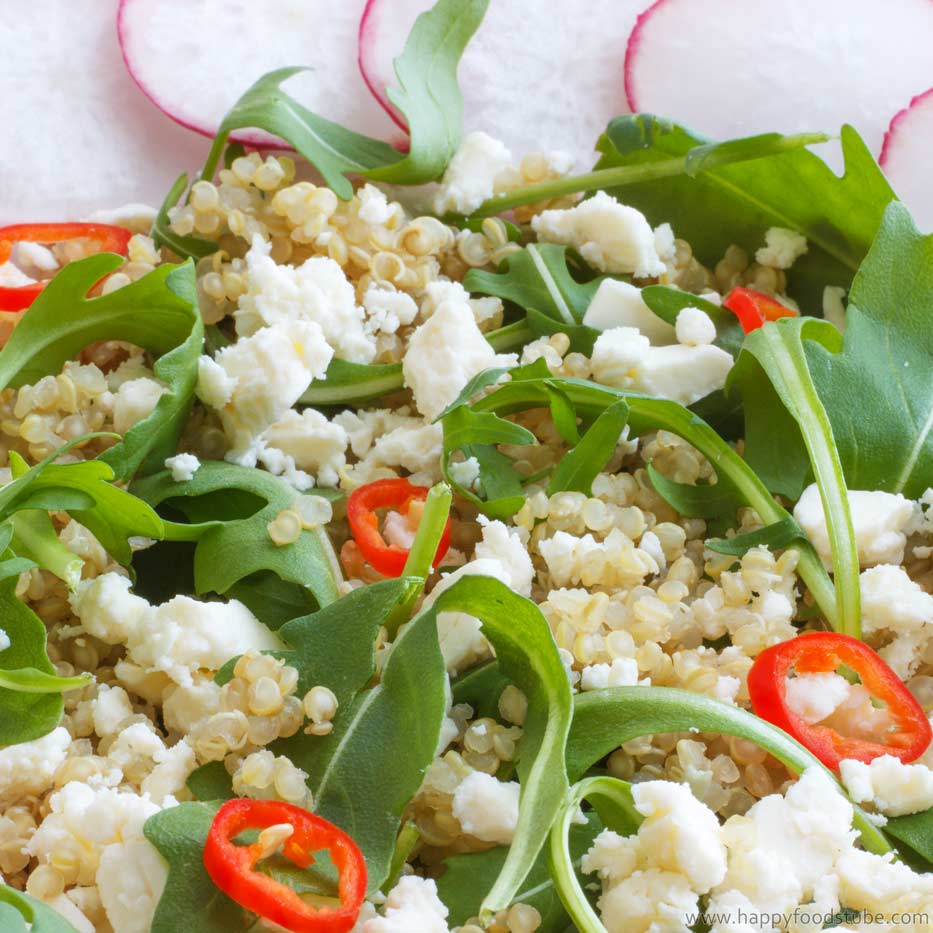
<point x="818" y="652"/>
<point x="110" y="239"/>
<point x="754" y="308"/>
<point x="397" y="494"/>
<point x="231" y="867"/>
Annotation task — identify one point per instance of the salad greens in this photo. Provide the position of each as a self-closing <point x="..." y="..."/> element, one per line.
<point x="158" y="312"/>
<point x="228" y="508"/>
<point x="793" y="188"/>
<point x="19" y="912"/>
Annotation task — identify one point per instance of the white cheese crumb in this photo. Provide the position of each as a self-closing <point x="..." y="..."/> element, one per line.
<point x="610" y="236"/>
<point x="619" y="304"/>
<point x="487" y="808"/>
<point x="891" y="786"/>
<point x="317" y="291"/>
<point x="623" y="672"/>
<point x="782" y="248"/>
<point x="471" y="175"/>
<point x="880" y="519"/>
<point x="134" y="401"/>
<point x="183" y="467"/>
<point x="444" y="353"/>
<point x="28" y="768"/>
<point x="4" y="640"/>
<point x="814" y="697"/>
<point x="412" y="906"/>
<point x="695" y="328"/>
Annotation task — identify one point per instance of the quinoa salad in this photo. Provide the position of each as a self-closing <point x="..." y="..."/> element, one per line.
<point x="439" y="538"/>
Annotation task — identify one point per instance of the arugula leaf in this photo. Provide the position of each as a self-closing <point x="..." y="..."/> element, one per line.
<point x="112" y="514"/>
<point x="527" y="390"/>
<point x="158" y="312"/>
<point x="781" y="534"/>
<point x="37" y="541"/>
<point x="187" y="247"/>
<point x="670" y="167"/>
<point x="719" y="500"/>
<point x="604" y="719"/>
<point x="528" y="656"/>
<point x="916" y="831"/>
<point x="429" y="98"/>
<point x="429" y="95"/>
<point x="230" y="507"/>
<point x="357" y="776"/>
<point x="581" y="466"/>
<point x="17" y="909"/>
<point x="885" y="439"/>
<point x="538" y="278"/>
<point x="24" y="716"/>
<point x="775" y="381"/>
<point x="616" y="808"/>
<point x="190" y="899"/>
<point x="793" y="188"/>
<point x="467" y="877"/>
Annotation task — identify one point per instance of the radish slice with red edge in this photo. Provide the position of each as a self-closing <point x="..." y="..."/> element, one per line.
<point x="537" y="76"/>
<point x="737" y="67"/>
<point x="194" y="60"/>
<point x="905" y="157"/>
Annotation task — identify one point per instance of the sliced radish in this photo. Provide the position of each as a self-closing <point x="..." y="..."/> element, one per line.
<point x="193" y="60"/>
<point x="537" y="76"/>
<point x="905" y="157"/>
<point x="735" y="67"/>
<point x="78" y="134"/>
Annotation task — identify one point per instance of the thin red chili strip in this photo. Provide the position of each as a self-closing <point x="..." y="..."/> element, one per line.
<point x="818" y="652"/>
<point x="397" y="494"/>
<point x="232" y="867"/>
<point x="108" y="238"/>
<point x="755" y="308"/>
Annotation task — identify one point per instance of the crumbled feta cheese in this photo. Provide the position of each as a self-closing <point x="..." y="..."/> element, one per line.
<point x="183" y="467"/>
<point x="879" y="885"/>
<point x="470" y="177"/>
<point x="4" y="640"/>
<point x="111" y="707"/>
<point x="387" y="309"/>
<point x="397" y="531"/>
<point x="664" y="243"/>
<point x="262" y="377"/>
<point x="443" y="355"/>
<point x="134" y="401"/>
<point x="131" y="878"/>
<point x="623" y="358"/>
<point x="62" y="904"/>
<point x="783" y="848"/>
<point x="623" y="672"/>
<point x="316" y="292"/>
<point x="815" y="697"/>
<point x="172" y="769"/>
<point x="375" y="208"/>
<point x="504" y="545"/>
<point x="28" y="769"/>
<point x="465" y="472"/>
<point x="610" y="236"/>
<point x="11" y="276"/>
<point x="619" y="304"/>
<point x="782" y="248"/>
<point x="695" y="328"/>
<point x="680" y="834"/>
<point x="305" y="441"/>
<point x="484" y="309"/>
<point x="179" y="637"/>
<point x="185" y="706"/>
<point x="892" y="787"/>
<point x="881" y="521"/>
<point x="412" y="906"/>
<point x="487" y="808"/>
<point x="649" y="901"/>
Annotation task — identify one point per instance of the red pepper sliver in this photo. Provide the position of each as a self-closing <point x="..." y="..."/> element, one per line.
<point x="108" y="238"/>
<point x="397" y="494"/>
<point x="232" y="867"/>
<point x="754" y="308"/>
<point x="818" y="652"/>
